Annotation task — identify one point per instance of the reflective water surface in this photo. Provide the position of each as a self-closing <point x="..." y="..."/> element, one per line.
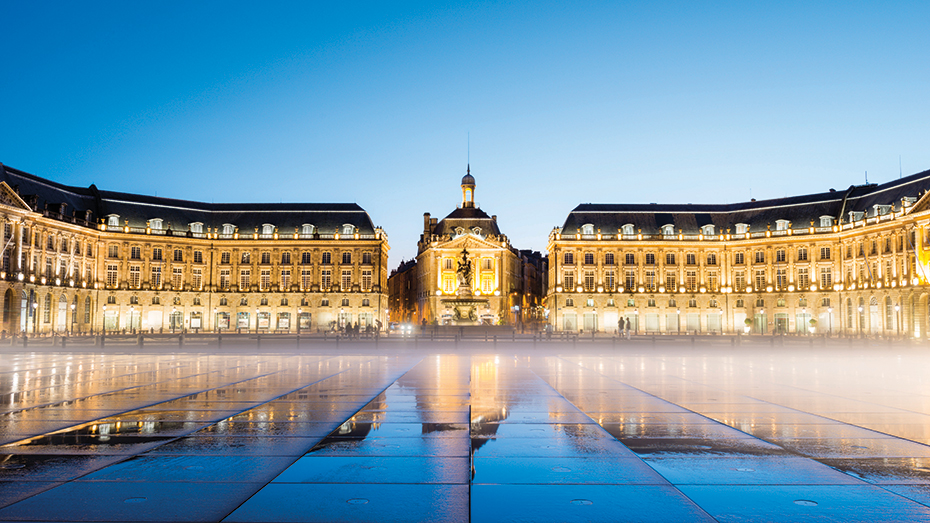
<point x="480" y="433"/>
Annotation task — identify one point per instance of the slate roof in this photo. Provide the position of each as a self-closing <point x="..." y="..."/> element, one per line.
<point x="467" y="218"/>
<point x="759" y="215"/>
<point x="43" y="194"/>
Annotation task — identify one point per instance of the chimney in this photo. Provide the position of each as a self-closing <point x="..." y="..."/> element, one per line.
<point x="494" y="218"/>
<point x="426" y="222"/>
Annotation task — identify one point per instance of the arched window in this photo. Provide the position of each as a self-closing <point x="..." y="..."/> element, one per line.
<point x="155" y="224"/>
<point x="229" y="228"/>
<point x="306" y="229"/>
<point x="587" y="228"/>
<point x="197" y="227"/>
<point x="668" y="230"/>
<point x="113" y="220"/>
<point x="47" y="310"/>
<point x="627" y="229"/>
<point x="707" y="230"/>
<point x="348" y="229"/>
<point x="267" y="228"/>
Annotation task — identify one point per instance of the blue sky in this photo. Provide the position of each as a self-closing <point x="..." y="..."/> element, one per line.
<point x="565" y="102"/>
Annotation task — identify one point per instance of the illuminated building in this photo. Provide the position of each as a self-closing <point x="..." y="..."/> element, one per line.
<point x="78" y="259"/>
<point x="851" y="262"/>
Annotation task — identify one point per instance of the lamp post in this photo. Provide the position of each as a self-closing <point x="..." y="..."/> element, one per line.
<point x="897" y="315"/>
<point x="764" y="321"/>
<point x="103" y="327"/>
<point x="132" y="319"/>
<point x="860" y="320"/>
<point x="299" y="312"/>
<point x="256" y="320"/>
<point x="174" y="311"/>
<point x="73" y="319"/>
<point x="216" y="321"/>
<point x="35" y="318"/>
<point x="678" y="312"/>
<point x="804" y="315"/>
<point x="830" y="311"/>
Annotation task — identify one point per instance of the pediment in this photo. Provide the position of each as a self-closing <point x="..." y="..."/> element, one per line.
<point x="9" y="198"/>
<point x="469" y="242"/>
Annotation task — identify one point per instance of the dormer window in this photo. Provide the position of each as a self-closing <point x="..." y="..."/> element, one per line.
<point x="781" y="225"/>
<point x="627" y="229"/>
<point x="306" y="229"/>
<point x="587" y="228"/>
<point x="668" y="230"/>
<point x="476" y="230"/>
<point x="707" y="230"/>
<point x="347" y="229"/>
<point x="853" y="216"/>
<point x="113" y="220"/>
<point x="155" y="224"/>
<point x="826" y="221"/>
<point x="229" y="228"/>
<point x="880" y="210"/>
<point x="459" y="231"/>
<point x="742" y="228"/>
<point x="197" y="227"/>
<point x="268" y="229"/>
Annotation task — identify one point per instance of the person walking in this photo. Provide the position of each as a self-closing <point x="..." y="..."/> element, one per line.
<point x="627" y="328"/>
<point x="620" y="327"/>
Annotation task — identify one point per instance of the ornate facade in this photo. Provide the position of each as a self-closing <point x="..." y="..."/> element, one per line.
<point x="466" y="271"/>
<point x="81" y="259"/>
<point x="852" y="262"/>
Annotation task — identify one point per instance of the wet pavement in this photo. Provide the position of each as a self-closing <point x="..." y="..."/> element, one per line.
<point x="475" y="433"/>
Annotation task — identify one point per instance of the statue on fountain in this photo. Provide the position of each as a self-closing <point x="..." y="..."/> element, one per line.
<point x="464" y="274"/>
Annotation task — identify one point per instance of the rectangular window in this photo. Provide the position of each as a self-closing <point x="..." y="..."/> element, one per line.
<point x="198" y="256"/>
<point x="366" y="280"/>
<point x="266" y="257"/>
<point x="691" y="259"/>
<point x="630" y="258"/>
<point x="135" y="253"/>
<point x="197" y="278"/>
<point x="739" y="281"/>
<point x="781" y="278"/>
<point x="568" y="258"/>
<point x="760" y="256"/>
<point x="780" y="255"/>
<point x="326" y="258"/>
<point x="224" y="279"/>
<point x="589" y="281"/>
<point x="630" y="280"/>
<point x="112" y="251"/>
<point x="346" y="280"/>
<point x="760" y="280"/>
<point x="224" y="257"/>
<point x="326" y="279"/>
<point x="650" y="258"/>
<point x="285" y="279"/>
<point x="691" y="281"/>
<point x="285" y="258"/>
<point x="156" y="277"/>
<point x="177" y="277"/>
<point x="651" y="281"/>
<point x="610" y="281"/>
<point x="712" y="282"/>
<point x="156" y="254"/>
<point x="111" y="275"/>
<point x="264" y="281"/>
<point x="738" y="258"/>
<point x="135" y="276"/>
<point x="366" y="258"/>
<point x="178" y="255"/>
<point x="305" y="279"/>
<point x="670" y="259"/>
<point x="346" y="257"/>
<point x="48" y="267"/>
<point x="568" y="281"/>
<point x="826" y="278"/>
<point x="305" y="257"/>
<point x="589" y="258"/>
<point x="245" y="279"/>
<point x="804" y="281"/>
<point x="448" y="284"/>
<point x="487" y="283"/>
<point x="671" y="281"/>
<point x="609" y="258"/>
<point x="825" y="252"/>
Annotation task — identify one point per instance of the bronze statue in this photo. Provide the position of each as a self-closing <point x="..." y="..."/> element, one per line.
<point x="464" y="270"/>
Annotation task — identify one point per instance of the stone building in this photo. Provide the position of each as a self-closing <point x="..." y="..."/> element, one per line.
<point x="467" y="273"/>
<point x="843" y="262"/>
<point x="81" y="259"/>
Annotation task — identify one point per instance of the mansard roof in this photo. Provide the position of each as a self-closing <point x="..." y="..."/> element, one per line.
<point x="42" y="194"/>
<point x="758" y="215"/>
<point x="467" y="218"/>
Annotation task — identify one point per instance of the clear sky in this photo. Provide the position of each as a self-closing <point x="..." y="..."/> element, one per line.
<point x="565" y="102"/>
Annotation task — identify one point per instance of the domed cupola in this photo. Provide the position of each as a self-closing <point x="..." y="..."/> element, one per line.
<point x="468" y="189"/>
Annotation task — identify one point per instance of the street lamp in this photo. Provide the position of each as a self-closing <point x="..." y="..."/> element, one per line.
<point x="299" y="312"/>
<point x="216" y="321"/>
<point x="73" y="319"/>
<point x="897" y="314"/>
<point x="679" y="319"/>
<point x="132" y="319"/>
<point x="830" y="310"/>
<point x="860" y="321"/>
<point x="103" y="329"/>
<point x="35" y="317"/>
<point x="804" y="315"/>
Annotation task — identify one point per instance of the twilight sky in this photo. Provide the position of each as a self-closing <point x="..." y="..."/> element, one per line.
<point x="565" y="102"/>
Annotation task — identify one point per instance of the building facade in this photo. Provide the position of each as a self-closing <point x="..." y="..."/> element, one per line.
<point x="81" y="260"/>
<point x="466" y="272"/>
<point x="853" y="262"/>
